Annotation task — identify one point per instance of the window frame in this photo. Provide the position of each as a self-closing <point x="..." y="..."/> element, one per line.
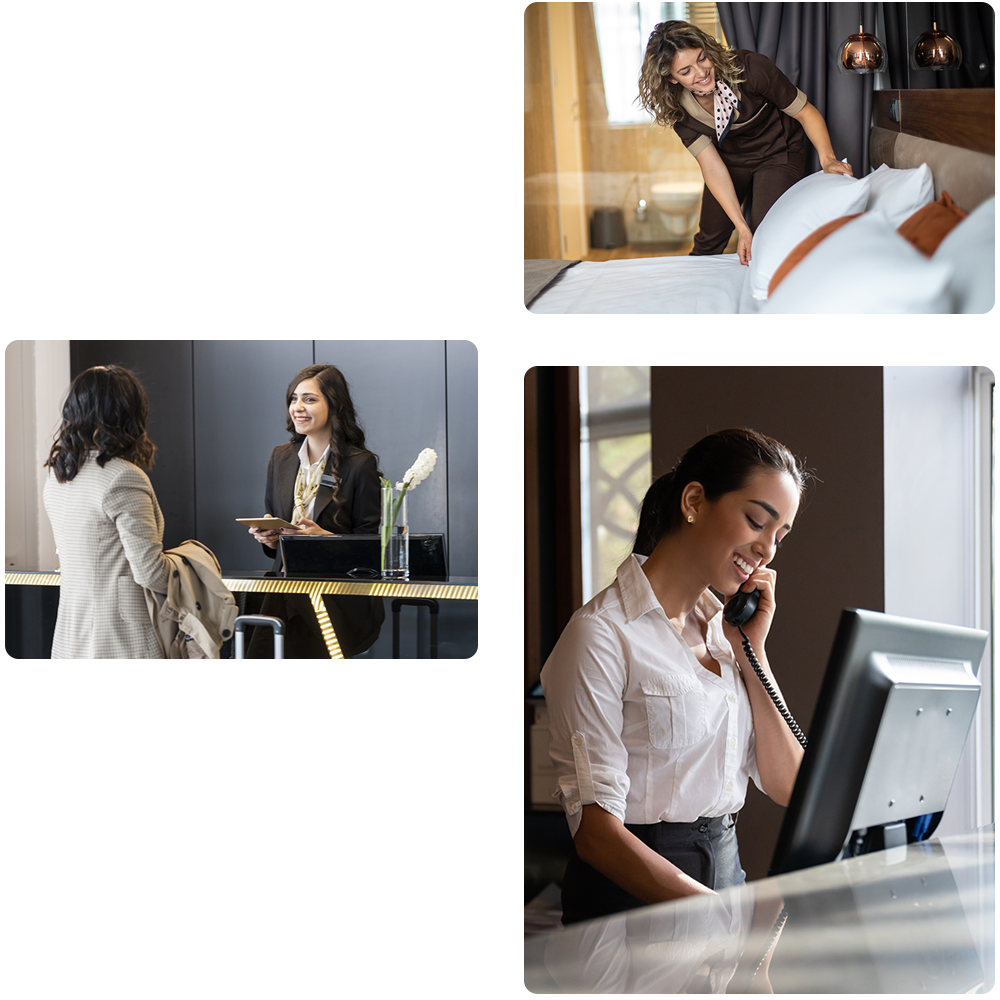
<point x="984" y="549"/>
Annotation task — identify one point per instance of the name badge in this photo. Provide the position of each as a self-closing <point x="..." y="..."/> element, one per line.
<point x="327" y="481"/>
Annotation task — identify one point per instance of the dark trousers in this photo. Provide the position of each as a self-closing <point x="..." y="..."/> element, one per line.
<point x="706" y="850"/>
<point x="765" y="184"/>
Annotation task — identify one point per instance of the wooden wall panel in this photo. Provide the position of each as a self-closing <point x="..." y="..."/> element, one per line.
<point x="553" y="559"/>
<point x="541" y="203"/>
<point x="958" y="117"/>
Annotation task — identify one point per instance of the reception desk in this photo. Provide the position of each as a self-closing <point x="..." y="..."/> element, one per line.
<point x="915" y="919"/>
<point x="258" y="582"/>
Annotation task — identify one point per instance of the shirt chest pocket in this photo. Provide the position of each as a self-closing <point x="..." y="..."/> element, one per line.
<point x="676" y="711"/>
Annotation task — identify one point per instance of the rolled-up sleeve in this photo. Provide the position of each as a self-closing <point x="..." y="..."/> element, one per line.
<point x="695" y="142"/>
<point x="584" y="681"/>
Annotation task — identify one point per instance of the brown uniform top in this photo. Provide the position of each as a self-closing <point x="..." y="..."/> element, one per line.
<point x="763" y="130"/>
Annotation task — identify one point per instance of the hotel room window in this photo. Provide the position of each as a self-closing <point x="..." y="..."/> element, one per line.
<point x="614" y="466"/>
<point x="622" y="32"/>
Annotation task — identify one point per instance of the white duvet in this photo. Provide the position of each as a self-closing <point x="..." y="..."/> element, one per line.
<point x="650" y="285"/>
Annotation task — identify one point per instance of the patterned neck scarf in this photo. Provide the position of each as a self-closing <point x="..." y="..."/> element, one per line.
<point x="307" y="483"/>
<point x="726" y="106"/>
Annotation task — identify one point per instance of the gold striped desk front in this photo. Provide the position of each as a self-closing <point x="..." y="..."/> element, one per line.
<point x="459" y="589"/>
<point x="456" y="590"/>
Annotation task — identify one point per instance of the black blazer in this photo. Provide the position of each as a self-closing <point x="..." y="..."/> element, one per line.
<point x="353" y="511"/>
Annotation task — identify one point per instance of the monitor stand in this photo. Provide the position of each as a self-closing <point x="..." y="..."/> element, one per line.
<point x="876" y="838"/>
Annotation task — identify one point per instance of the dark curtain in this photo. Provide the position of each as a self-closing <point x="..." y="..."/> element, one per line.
<point x="972" y="25"/>
<point x="802" y="39"/>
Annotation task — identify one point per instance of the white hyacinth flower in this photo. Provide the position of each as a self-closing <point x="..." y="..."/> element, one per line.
<point x="420" y="469"/>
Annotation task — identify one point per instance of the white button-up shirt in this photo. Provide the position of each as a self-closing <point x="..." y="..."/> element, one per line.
<point x="636" y="724"/>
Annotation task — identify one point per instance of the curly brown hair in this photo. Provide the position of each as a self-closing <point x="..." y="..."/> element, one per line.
<point x="105" y="409"/>
<point x="346" y="433"/>
<point x="656" y="94"/>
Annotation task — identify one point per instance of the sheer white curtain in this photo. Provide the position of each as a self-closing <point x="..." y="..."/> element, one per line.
<point x="622" y="32"/>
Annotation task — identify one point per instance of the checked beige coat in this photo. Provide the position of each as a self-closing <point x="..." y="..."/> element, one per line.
<point x="109" y="536"/>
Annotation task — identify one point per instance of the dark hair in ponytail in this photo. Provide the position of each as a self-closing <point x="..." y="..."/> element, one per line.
<point x="723" y="463"/>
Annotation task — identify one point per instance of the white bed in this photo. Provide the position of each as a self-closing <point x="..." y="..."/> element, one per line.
<point x="647" y="285"/>
<point x="865" y="266"/>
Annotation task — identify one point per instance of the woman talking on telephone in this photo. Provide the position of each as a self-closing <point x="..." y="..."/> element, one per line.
<point x="656" y="721"/>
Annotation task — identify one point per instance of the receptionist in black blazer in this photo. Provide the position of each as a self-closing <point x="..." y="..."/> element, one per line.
<point x="326" y="482"/>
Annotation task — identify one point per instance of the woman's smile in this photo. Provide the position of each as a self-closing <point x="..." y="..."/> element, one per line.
<point x="308" y="407"/>
<point x="706" y="83"/>
<point x="741" y="531"/>
<point x="694" y="71"/>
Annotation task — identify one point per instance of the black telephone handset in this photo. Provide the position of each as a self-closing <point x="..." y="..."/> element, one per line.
<point x="739" y="609"/>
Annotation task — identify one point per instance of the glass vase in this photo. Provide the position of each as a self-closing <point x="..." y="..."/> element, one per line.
<point x="395" y="535"/>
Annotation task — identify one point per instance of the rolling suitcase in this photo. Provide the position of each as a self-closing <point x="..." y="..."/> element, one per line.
<point x="275" y="623"/>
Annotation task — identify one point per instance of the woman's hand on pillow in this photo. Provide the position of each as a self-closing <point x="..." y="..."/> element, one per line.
<point x="834" y="166"/>
<point x="743" y="246"/>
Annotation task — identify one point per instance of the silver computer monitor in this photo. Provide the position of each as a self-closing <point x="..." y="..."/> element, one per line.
<point x="891" y="721"/>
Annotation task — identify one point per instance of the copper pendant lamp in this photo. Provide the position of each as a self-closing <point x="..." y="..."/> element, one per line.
<point x="862" y="52"/>
<point x="935" y="50"/>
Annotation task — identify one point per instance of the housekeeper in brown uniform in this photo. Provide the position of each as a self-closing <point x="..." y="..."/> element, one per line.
<point x="741" y="118"/>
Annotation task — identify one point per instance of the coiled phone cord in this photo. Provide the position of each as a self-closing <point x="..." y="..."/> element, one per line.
<point x="759" y="670"/>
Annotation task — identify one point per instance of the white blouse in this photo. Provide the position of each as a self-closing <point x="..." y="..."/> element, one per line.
<point x="636" y="724"/>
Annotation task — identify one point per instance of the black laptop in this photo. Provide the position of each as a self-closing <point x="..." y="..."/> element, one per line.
<point x="358" y="556"/>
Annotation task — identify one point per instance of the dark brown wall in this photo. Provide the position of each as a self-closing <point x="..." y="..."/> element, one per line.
<point x="831" y="418"/>
<point x="553" y="570"/>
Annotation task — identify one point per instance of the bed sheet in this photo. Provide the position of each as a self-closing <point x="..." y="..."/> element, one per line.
<point x="712" y="284"/>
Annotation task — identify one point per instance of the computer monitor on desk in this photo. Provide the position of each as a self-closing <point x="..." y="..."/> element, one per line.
<point x="359" y="556"/>
<point x="890" y="725"/>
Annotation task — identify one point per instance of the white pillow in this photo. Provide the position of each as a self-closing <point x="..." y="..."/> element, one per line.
<point x="801" y="210"/>
<point x="899" y="193"/>
<point x="864" y="267"/>
<point x="971" y="249"/>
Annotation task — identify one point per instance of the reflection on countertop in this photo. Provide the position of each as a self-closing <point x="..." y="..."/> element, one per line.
<point x="915" y="919"/>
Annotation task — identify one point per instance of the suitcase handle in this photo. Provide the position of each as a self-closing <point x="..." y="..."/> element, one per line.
<point x="276" y="624"/>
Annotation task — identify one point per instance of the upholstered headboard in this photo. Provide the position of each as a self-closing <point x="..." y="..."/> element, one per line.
<point x="952" y="131"/>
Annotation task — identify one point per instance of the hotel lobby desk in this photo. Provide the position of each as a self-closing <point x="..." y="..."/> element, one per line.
<point x="916" y="919"/>
<point x="253" y="581"/>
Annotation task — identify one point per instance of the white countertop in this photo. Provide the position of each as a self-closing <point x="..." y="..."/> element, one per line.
<point x="918" y="919"/>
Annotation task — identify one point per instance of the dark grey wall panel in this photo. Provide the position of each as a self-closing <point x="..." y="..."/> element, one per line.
<point x="398" y="387"/>
<point x="239" y="403"/>
<point x="463" y="456"/>
<point x="217" y="409"/>
<point x="164" y="368"/>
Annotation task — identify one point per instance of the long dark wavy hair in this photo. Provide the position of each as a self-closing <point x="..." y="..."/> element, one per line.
<point x="656" y="94"/>
<point x="723" y="462"/>
<point x="106" y="410"/>
<point x="347" y="434"/>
